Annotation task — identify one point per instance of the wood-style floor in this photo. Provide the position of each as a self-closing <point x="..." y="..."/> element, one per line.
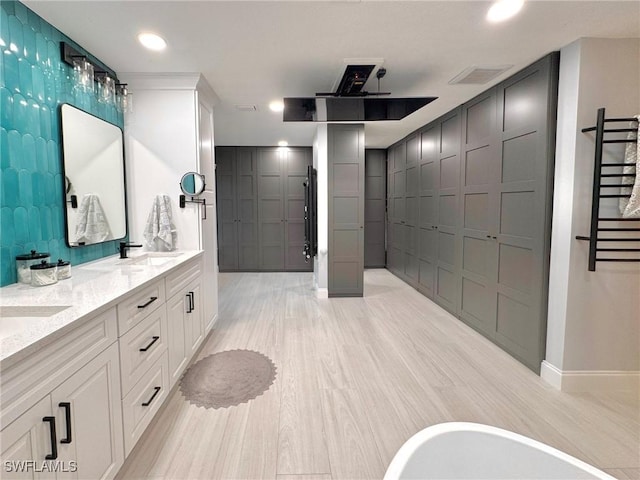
<point x="356" y="378"/>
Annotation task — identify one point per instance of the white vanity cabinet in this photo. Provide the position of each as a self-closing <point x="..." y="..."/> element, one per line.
<point x="75" y="430"/>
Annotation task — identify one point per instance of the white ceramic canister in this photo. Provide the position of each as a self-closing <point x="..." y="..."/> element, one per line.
<point x="64" y="269"/>
<point x="44" y="274"/>
<point x="24" y="262"/>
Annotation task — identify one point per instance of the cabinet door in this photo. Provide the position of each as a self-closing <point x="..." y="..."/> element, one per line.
<point x="296" y="161"/>
<point x="28" y="438"/>
<point x="247" y="208"/>
<point x="178" y="357"/>
<point x="89" y="418"/>
<point x="270" y="209"/>
<point x="194" y="328"/>
<point x="411" y="214"/>
<point x="226" y="208"/>
<point x="374" y="208"/>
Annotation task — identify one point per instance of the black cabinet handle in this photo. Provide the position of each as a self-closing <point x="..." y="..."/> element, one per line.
<point x="67" y="416"/>
<point x="52" y="430"/>
<point x="488" y="236"/>
<point x="151" y="300"/>
<point x="148" y="402"/>
<point x="190" y="304"/>
<point x="155" y="339"/>
<point x="193" y="301"/>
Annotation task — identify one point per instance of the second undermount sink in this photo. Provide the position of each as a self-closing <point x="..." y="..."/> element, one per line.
<point x="14" y="319"/>
<point x="150" y="258"/>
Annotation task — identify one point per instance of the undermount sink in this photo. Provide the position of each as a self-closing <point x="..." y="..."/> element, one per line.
<point x="151" y="258"/>
<point x="14" y="319"/>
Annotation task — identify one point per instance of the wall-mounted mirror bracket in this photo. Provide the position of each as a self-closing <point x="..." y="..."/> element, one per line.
<point x="200" y="201"/>
<point x="73" y="200"/>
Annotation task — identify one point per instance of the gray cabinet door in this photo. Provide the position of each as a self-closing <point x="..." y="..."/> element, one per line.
<point x="375" y="172"/>
<point x="270" y="209"/>
<point x="295" y="162"/>
<point x="226" y="208"/>
<point x="411" y="210"/>
<point x="247" y="208"/>
<point x="447" y="274"/>
<point x="346" y="209"/>
<point x="397" y="209"/>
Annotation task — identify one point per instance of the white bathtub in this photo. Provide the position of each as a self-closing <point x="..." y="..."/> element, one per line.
<point x="473" y="451"/>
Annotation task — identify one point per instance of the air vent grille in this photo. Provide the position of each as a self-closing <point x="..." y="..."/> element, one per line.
<point x="246" y="108"/>
<point x="476" y="75"/>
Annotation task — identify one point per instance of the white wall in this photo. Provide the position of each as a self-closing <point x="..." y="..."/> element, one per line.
<point x="593" y="330"/>
<point x="320" y="162"/>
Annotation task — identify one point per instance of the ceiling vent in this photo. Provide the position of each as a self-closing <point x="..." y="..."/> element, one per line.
<point x="246" y="108"/>
<point x="476" y="75"/>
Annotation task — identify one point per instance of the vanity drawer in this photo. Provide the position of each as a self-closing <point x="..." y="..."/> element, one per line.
<point x="144" y="400"/>
<point x="139" y="305"/>
<point x="178" y="281"/>
<point x="141" y="346"/>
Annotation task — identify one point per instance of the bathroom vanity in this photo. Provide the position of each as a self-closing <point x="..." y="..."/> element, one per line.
<point x="88" y="362"/>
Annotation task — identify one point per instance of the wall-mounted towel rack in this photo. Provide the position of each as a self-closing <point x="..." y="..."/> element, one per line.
<point x="604" y="224"/>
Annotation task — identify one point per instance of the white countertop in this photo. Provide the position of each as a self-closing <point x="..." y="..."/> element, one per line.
<point x="93" y="287"/>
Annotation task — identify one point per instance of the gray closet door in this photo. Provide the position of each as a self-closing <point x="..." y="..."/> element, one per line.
<point x="270" y="209"/>
<point x="397" y="208"/>
<point x="428" y="224"/>
<point x="411" y="210"/>
<point x="295" y="161"/>
<point x="226" y="208"/>
<point x="247" y="208"/>
<point x="346" y="209"/>
<point x="447" y="274"/>
<point x="375" y="173"/>
<point x="479" y="204"/>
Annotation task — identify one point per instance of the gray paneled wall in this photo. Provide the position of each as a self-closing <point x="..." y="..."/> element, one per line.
<point x="375" y="180"/>
<point x="345" y="147"/>
<point x="260" y="208"/>
<point x="484" y="209"/>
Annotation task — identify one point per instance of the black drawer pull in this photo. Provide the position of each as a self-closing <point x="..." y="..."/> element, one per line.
<point x="155" y="339"/>
<point x="151" y="300"/>
<point x="67" y="416"/>
<point x="193" y="301"/>
<point x="190" y="306"/>
<point x="52" y="430"/>
<point x="148" y="402"/>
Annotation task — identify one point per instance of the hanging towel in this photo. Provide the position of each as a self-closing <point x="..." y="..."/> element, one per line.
<point x="630" y="207"/>
<point x="160" y="232"/>
<point x="92" y="224"/>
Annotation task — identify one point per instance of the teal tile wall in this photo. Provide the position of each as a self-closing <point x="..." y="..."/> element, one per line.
<point x="33" y="83"/>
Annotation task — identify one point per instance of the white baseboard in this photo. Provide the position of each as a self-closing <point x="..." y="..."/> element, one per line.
<point x="322" y="292"/>
<point x="589" y="380"/>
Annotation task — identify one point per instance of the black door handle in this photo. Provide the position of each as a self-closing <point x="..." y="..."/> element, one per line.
<point x="151" y="300"/>
<point x="190" y="304"/>
<point x="67" y="416"/>
<point x="52" y="431"/>
<point x="155" y="339"/>
<point x="148" y="402"/>
<point x="193" y="301"/>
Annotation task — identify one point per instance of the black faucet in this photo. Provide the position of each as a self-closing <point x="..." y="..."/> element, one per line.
<point x="123" y="248"/>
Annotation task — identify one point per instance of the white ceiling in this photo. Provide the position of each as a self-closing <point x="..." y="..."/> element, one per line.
<point x="254" y="52"/>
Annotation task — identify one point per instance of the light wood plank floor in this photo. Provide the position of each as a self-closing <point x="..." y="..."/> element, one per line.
<point x="356" y="378"/>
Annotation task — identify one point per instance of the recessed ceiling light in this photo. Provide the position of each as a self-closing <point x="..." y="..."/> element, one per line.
<point x="504" y="9"/>
<point x="283" y="143"/>
<point x="276" y="106"/>
<point x="152" y="41"/>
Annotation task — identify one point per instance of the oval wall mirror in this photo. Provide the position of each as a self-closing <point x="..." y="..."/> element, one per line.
<point x="192" y="183"/>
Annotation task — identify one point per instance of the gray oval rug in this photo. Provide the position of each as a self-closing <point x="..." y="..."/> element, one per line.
<point x="228" y="378"/>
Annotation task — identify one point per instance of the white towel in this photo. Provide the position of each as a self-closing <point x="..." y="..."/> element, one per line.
<point x="92" y="224"/>
<point x="159" y="231"/>
<point x="630" y="207"/>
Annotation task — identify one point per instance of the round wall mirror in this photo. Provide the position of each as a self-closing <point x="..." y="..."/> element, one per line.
<point x="192" y="183"/>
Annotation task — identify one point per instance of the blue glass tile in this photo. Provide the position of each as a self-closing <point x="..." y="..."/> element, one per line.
<point x="42" y="52"/>
<point x="53" y="247"/>
<point x="38" y="83"/>
<point x="28" y="153"/>
<point x="8" y="7"/>
<point x="4" y="149"/>
<point x="53" y="54"/>
<point x="29" y="39"/>
<point x="7" y="267"/>
<point x="25" y="187"/>
<point x="43" y="246"/>
<point x="53" y="157"/>
<point x="8" y="237"/>
<point x="21" y="12"/>
<point x="41" y="155"/>
<point x="16" y="44"/>
<point x="46" y="223"/>
<point x="4" y="27"/>
<point x="10" y="188"/>
<point x="33" y="118"/>
<point x="45" y="122"/>
<point x="50" y="88"/>
<point x="21" y="225"/>
<point x="58" y="183"/>
<point x="15" y="149"/>
<point x="11" y="71"/>
<point x="35" y="229"/>
<point x="34" y="20"/>
<point x="6" y="108"/>
<point x="50" y="190"/>
<point x="57" y="221"/>
<point x="45" y="28"/>
<point x="26" y="81"/>
<point x="20" y="113"/>
<point x="38" y="183"/>
<point x="54" y="121"/>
